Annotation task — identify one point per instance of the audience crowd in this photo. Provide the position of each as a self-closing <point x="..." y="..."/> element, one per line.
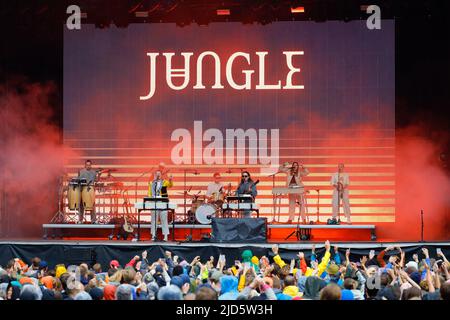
<point x="330" y="275"/>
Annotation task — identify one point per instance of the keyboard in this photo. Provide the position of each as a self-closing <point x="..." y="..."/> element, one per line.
<point x="240" y="206"/>
<point x="241" y="197"/>
<point x="151" y="205"/>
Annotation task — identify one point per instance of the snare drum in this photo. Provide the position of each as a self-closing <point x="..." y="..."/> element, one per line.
<point x="87" y="196"/>
<point x="74" y="194"/>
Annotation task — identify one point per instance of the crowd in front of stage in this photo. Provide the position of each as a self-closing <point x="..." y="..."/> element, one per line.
<point x="320" y="274"/>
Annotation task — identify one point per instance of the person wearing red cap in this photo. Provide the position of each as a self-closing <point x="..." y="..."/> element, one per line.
<point x="114" y="264"/>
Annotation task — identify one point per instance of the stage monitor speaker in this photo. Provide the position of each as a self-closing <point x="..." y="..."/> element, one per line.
<point x="239" y="230"/>
<point x="80" y="255"/>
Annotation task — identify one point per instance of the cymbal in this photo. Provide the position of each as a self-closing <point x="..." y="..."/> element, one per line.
<point x="108" y="170"/>
<point x="115" y="185"/>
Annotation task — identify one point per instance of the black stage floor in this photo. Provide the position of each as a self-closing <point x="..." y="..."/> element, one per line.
<point x="75" y="251"/>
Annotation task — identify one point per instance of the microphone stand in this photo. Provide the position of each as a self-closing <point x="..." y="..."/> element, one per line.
<point x="274" y="198"/>
<point x="318" y="200"/>
<point x="184" y="200"/>
<point x="184" y="194"/>
<point x="340" y="191"/>
<point x="137" y="211"/>
<point x="136" y="186"/>
<point x="421" y="226"/>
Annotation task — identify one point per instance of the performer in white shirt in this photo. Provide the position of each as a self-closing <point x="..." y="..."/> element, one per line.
<point x="340" y="182"/>
<point x="215" y="189"/>
<point x="295" y="173"/>
<point x="158" y="189"/>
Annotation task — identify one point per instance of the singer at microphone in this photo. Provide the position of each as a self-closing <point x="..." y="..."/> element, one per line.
<point x="156" y="189"/>
<point x="162" y="168"/>
<point x="295" y="174"/>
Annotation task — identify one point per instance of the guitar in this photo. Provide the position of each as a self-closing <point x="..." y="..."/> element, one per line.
<point x="339" y="184"/>
<point x="253" y="184"/>
<point x="127" y="227"/>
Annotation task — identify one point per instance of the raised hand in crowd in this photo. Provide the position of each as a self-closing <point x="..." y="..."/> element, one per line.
<point x="195" y="261"/>
<point x="347" y="256"/>
<point x="371" y="254"/>
<point x="275" y="249"/>
<point x="425" y="253"/>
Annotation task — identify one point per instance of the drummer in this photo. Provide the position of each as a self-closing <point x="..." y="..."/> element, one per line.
<point x="91" y="176"/>
<point x="215" y="189"/>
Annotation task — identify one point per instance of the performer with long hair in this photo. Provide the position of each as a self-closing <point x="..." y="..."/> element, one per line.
<point x="247" y="186"/>
<point x="295" y="173"/>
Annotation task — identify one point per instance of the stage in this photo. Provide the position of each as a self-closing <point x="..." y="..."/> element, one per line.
<point x="294" y="114"/>
<point x="275" y="232"/>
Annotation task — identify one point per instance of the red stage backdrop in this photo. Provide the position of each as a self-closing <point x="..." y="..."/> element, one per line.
<point x="228" y="96"/>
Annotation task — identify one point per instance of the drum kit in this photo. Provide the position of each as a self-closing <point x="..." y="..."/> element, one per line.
<point x="203" y="208"/>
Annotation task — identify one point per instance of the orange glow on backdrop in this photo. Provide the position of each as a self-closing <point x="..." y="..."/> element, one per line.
<point x="342" y="115"/>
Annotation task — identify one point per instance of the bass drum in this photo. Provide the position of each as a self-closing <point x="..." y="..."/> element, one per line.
<point x="88" y="197"/>
<point x="74" y="194"/>
<point x="205" y="212"/>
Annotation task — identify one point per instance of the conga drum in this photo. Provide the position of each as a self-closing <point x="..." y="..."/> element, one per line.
<point x="74" y="194"/>
<point x="87" y="196"/>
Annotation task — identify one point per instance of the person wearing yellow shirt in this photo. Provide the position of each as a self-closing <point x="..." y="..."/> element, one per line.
<point x="158" y="188"/>
<point x="309" y="271"/>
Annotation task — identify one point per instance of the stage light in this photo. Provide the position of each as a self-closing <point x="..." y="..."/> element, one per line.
<point x="141" y="14"/>
<point x="223" y="12"/>
<point x="297" y="9"/>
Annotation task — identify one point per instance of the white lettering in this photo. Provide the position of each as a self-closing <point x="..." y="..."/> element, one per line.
<point x="235" y="145"/>
<point x="217" y="84"/>
<point x="262" y="77"/>
<point x="292" y="70"/>
<point x="184" y="72"/>
<point x="248" y="73"/>
<point x="177" y="73"/>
